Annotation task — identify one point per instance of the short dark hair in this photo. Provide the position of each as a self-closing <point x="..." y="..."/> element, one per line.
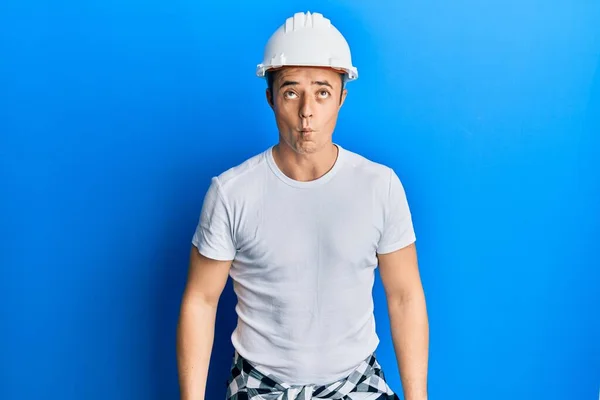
<point x="272" y="75"/>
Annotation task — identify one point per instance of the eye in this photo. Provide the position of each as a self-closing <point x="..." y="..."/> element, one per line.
<point x="323" y="94"/>
<point x="289" y="95"/>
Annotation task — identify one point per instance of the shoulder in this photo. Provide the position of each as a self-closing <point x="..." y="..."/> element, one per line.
<point x="363" y="168"/>
<point x="241" y="176"/>
<point x="361" y="162"/>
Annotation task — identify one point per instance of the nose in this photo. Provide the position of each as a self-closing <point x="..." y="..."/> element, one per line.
<point x="306" y="108"/>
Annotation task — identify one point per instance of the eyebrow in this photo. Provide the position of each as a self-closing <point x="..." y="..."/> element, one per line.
<point x="288" y="83"/>
<point x="292" y="83"/>
<point x="322" y="83"/>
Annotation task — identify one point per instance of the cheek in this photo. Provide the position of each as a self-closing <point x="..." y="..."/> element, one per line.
<point x="287" y="114"/>
<point x="329" y="112"/>
<point x="285" y="120"/>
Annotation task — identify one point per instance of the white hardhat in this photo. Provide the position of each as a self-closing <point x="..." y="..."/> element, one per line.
<point x="307" y="40"/>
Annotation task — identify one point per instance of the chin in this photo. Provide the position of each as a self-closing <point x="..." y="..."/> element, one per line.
<point x="307" y="147"/>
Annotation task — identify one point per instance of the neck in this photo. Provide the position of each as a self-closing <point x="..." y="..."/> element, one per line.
<point x="305" y="167"/>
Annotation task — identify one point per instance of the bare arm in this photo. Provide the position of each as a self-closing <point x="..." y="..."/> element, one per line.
<point x="195" y="331"/>
<point x="408" y="318"/>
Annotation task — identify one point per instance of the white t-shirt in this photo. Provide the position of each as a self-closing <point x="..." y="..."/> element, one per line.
<point x="304" y="255"/>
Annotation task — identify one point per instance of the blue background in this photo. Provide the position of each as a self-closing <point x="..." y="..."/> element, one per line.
<point x="115" y="114"/>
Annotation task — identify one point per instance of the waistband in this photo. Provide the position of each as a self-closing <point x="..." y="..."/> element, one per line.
<point x="246" y="382"/>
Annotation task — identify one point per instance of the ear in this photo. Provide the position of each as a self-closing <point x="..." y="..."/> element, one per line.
<point x="269" y="98"/>
<point x="343" y="97"/>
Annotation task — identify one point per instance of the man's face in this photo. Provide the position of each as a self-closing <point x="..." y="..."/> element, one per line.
<point x="306" y="102"/>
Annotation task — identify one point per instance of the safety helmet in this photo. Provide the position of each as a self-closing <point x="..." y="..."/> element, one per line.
<point x="307" y="39"/>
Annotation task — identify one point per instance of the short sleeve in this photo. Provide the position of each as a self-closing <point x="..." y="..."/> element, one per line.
<point x="213" y="235"/>
<point x="398" y="230"/>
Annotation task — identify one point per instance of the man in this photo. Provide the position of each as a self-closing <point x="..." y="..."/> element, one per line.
<point x="300" y="229"/>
